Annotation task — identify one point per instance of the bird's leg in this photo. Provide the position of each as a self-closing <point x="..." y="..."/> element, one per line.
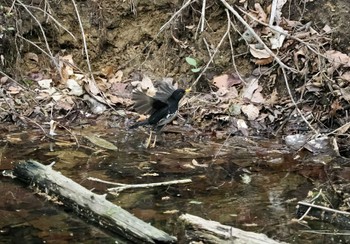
<point x="148" y="141"/>
<point x="154" y="142"/>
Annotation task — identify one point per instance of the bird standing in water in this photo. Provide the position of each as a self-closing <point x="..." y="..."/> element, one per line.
<point x="162" y="107"/>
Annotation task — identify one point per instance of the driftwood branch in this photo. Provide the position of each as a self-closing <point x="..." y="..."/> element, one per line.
<point x="209" y="231"/>
<point x="91" y="206"/>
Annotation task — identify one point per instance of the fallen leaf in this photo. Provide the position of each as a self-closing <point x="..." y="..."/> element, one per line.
<point x="146" y="86"/>
<point x="258" y="53"/>
<point x="75" y="88"/>
<point x="277" y="38"/>
<point x="92" y="87"/>
<point x="251" y="111"/>
<point x="280" y="4"/>
<point x="337" y="58"/>
<point x="117" y="78"/>
<point x="242" y="126"/>
<point x="264" y="61"/>
<point x="257" y="96"/>
<point x="262" y="16"/>
<point x="14" y="90"/>
<point x="32" y="56"/>
<point x="250" y="87"/>
<point x="46" y="83"/>
<point x="346" y="76"/>
<point x="98" y="141"/>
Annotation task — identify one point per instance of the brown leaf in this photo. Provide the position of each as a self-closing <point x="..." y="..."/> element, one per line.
<point x="32" y="56"/>
<point x="346" y="76"/>
<point x="14" y="90"/>
<point x="262" y="16"/>
<point x="92" y="87"/>
<point x="116" y="78"/>
<point x="264" y="61"/>
<point x="337" y="58"/>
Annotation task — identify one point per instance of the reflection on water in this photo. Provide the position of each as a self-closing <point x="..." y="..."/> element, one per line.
<point x="249" y="185"/>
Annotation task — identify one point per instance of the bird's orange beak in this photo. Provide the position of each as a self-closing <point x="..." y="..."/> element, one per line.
<point x="188" y="90"/>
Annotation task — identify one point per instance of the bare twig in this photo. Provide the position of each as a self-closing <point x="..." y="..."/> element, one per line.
<point x="84" y="39"/>
<point x="283" y="66"/>
<point x="256" y="36"/>
<point x="203" y="15"/>
<point x="42" y="32"/>
<point x="54" y="20"/>
<point x="273" y="12"/>
<point x="213" y="55"/>
<point x="174" y="15"/>
<point x="294" y="103"/>
<point x="122" y="187"/>
<point x="324" y="208"/>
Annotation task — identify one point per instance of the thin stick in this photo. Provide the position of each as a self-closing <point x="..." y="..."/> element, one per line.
<point x="283" y="66"/>
<point x="54" y="20"/>
<point x="123" y="187"/>
<point x="41" y="29"/>
<point x="203" y="15"/>
<point x="308" y="210"/>
<point x="273" y="12"/>
<point x="324" y="208"/>
<point x="84" y="40"/>
<point x="308" y="45"/>
<point x="174" y="15"/>
<point x="294" y="103"/>
<point x="212" y="56"/>
<point x="228" y="6"/>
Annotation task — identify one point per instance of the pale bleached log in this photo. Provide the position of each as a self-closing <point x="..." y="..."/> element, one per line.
<point x="91" y="206"/>
<point x="207" y="231"/>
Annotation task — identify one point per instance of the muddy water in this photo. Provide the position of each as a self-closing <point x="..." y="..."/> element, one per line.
<point x="247" y="183"/>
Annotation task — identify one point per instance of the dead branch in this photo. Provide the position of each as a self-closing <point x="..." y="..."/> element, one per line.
<point x="213" y="232"/>
<point x="89" y="205"/>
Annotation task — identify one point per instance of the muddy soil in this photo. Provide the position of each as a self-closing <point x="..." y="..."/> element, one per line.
<point x="126" y="35"/>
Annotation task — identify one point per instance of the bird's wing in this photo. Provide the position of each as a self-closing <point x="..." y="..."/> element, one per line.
<point x="165" y="89"/>
<point x="145" y="104"/>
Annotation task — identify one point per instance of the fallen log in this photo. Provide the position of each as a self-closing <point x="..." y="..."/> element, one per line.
<point x="91" y="206"/>
<point x="207" y="231"/>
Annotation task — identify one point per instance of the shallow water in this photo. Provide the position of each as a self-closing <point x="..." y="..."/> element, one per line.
<point x="247" y="183"/>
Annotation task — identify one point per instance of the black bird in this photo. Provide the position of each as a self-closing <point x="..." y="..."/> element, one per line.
<point x="162" y="107"/>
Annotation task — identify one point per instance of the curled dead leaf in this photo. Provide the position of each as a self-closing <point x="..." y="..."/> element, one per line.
<point x="251" y="111"/>
<point x="257" y="52"/>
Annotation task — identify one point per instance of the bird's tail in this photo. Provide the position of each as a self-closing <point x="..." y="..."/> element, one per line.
<point x="137" y="124"/>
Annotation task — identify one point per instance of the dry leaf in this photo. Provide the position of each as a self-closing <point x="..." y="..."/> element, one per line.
<point x="75" y="88"/>
<point x="92" y="87"/>
<point x="251" y="111"/>
<point x="277" y="17"/>
<point x="262" y="16"/>
<point x="346" y="76"/>
<point x="196" y="164"/>
<point x="117" y="78"/>
<point x="32" y="56"/>
<point x="101" y="142"/>
<point x="46" y="83"/>
<point x="242" y="126"/>
<point x="264" y="61"/>
<point x="258" y="53"/>
<point x="337" y="58"/>
<point x="257" y="96"/>
<point x="14" y="90"/>
<point x="146" y="86"/>
<point x="108" y="71"/>
<point x="277" y="39"/>
<point x="249" y="89"/>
